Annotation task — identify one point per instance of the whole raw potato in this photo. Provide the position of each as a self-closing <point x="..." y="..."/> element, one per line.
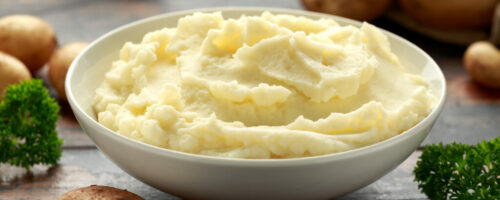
<point x="12" y="71"/>
<point x="362" y="10"/>
<point x="482" y="61"/>
<point x="28" y="38"/>
<point x="60" y="62"/>
<point x="99" y="192"/>
<point x="451" y="14"/>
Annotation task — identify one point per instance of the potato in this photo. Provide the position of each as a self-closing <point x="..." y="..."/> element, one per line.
<point x="450" y="14"/>
<point x="60" y="62"/>
<point x="12" y="71"/>
<point x="28" y="38"/>
<point x="482" y="61"/>
<point x="99" y="192"/>
<point x="363" y="10"/>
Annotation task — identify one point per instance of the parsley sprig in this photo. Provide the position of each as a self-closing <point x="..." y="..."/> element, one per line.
<point x="460" y="171"/>
<point x="28" y="117"/>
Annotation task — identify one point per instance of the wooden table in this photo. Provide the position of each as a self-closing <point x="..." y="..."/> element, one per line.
<point x="471" y="113"/>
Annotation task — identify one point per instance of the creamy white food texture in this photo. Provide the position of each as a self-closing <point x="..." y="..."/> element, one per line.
<point x="269" y="86"/>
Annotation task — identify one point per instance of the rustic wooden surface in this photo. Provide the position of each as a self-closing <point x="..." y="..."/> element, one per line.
<point x="83" y="167"/>
<point x="471" y="113"/>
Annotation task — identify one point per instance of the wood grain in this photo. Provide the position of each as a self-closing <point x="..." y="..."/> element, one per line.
<point x="81" y="168"/>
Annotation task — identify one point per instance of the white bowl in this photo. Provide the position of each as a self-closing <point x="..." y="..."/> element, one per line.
<point x="204" y="177"/>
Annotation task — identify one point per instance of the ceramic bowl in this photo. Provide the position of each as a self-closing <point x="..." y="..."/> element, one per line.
<point x="204" y="177"/>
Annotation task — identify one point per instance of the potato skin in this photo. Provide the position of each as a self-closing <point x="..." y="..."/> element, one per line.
<point x="12" y="71"/>
<point x="28" y="38"/>
<point x="362" y="10"/>
<point x="482" y="61"/>
<point x="450" y="14"/>
<point x="99" y="192"/>
<point x="59" y="64"/>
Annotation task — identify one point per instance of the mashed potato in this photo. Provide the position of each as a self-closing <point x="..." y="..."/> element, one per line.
<point x="269" y="86"/>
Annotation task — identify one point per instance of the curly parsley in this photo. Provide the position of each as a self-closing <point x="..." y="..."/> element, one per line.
<point x="459" y="171"/>
<point x="28" y="117"/>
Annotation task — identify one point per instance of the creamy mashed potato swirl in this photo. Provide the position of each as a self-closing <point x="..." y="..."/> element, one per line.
<point x="269" y="86"/>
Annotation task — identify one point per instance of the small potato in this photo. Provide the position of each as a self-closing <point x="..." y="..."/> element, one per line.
<point x="28" y="38"/>
<point x="482" y="61"/>
<point x="60" y="62"/>
<point x="450" y="14"/>
<point x="12" y="71"/>
<point x="99" y="192"/>
<point x="363" y="10"/>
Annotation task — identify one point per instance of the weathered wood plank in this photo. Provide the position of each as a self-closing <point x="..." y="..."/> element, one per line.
<point x="84" y="167"/>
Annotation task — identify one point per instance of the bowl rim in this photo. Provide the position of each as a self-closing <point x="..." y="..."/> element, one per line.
<point x="267" y="162"/>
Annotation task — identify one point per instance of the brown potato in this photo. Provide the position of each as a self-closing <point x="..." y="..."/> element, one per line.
<point x="12" y="71"/>
<point x="60" y="62"/>
<point x="28" y="38"/>
<point x="98" y="192"/>
<point x="482" y="61"/>
<point x="450" y="14"/>
<point x="362" y="10"/>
